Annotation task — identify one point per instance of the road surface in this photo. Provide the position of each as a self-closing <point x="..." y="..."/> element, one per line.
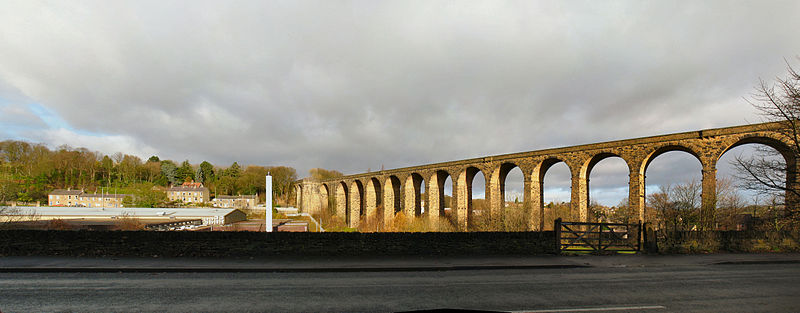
<point x="689" y="288"/>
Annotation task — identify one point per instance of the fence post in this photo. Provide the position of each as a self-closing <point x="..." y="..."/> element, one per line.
<point x="639" y="241"/>
<point x="599" y="237"/>
<point x="557" y="231"/>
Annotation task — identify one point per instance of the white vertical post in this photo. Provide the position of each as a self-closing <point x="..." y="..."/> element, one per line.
<point x="268" y="205"/>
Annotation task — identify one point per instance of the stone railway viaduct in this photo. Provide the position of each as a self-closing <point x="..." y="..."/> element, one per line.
<point x="381" y="194"/>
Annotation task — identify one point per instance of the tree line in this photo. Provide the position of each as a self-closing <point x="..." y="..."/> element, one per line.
<point x="29" y="171"/>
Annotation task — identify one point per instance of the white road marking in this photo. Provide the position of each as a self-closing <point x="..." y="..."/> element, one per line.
<point x="619" y="308"/>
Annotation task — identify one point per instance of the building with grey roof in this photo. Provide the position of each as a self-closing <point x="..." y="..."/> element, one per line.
<point x="189" y="193"/>
<point x="208" y="216"/>
<point x="238" y="202"/>
<point x="77" y="198"/>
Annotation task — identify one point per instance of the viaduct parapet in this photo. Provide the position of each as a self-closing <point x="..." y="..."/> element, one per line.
<point x="383" y="193"/>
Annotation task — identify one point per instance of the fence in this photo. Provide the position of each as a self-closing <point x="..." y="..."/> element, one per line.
<point x="597" y="237"/>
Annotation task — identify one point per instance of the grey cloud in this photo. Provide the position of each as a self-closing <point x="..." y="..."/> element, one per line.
<point x="18" y="120"/>
<point x="357" y="85"/>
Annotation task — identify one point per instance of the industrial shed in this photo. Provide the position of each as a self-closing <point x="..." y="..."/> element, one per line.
<point x="208" y="216"/>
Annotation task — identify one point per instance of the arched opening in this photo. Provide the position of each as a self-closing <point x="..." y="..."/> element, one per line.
<point x="556" y="180"/>
<point x="376" y="184"/>
<point x="742" y="198"/>
<point x="477" y="207"/>
<point x="392" y="195"/>
<point x="391" y="200"/>
<point x="673" y="189"/>
<point x="357" y="202"/>
<point x="415" y="190"/>
<point x="298" y="193"/>
<point x="343" y="202"/>
<point x="515" y="215"/>
<point x="440" y="197"/>
<point x="608" y="179"/>
<point x="448" y="201"/>
<point x="422" y="198"/>
<point x="324" y="199"/>
<point x="374" y="200"/>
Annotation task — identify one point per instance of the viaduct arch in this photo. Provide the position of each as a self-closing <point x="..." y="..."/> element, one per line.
<point x="382" y="194"/>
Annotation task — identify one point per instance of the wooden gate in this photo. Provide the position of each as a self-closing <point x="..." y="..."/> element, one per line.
<point x="597" y="237"/>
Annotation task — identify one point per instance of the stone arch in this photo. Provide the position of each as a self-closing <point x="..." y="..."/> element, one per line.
<point x="374" y="199"/>
<point x="499" y="178"/>
<point x="546" y="164"/>
<point x="413" y="196"/>
<point x="587" y="167"/>
<point x="784" y="148"/>
<point x="776" y="143"/>
<point x="356" y="203"/>
<point x="497" y="187"/>
<point x="586" y="173"/>
<point x="391" y="199"/>
<point x="298" y="196"/>
<point x="324" y="198"/>
<point x="667" y="148"/>
<point x="464" y="190"/>
<point x="343" y="201"/>
<point x="538" y="174"/>
<point x="437" y="201"/>
<point x="708" y="178"/>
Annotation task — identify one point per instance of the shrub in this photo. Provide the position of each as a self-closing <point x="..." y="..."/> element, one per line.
<point x="331" y="222"/>
<point x="129" y="223"/>
<point x="58" y="224"/>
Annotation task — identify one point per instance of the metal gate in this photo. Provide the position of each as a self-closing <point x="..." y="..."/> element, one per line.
<point x="597" y="237"/>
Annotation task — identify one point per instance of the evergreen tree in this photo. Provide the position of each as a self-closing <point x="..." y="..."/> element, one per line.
<point x="108" y="166"/>
<point x="234" y="171"/>
<point x="207" y="171"/>
<point x="170" y="171"/>
<point x="186" y="171"/>
<point x="199" y="175"/>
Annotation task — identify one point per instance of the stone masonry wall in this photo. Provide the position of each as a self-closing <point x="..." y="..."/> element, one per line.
<point x="706" y="145"/>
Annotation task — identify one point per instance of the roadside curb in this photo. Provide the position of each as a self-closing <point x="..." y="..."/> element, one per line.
<point x="279" y="270"/>
<point x="757" y="262"/>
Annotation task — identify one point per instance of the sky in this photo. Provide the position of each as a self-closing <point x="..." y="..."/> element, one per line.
<point x="358" y="85"/>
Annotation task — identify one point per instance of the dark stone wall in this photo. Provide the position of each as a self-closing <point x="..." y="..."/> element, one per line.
<point x="253" y="244"/>
<point x="727" y="241"/>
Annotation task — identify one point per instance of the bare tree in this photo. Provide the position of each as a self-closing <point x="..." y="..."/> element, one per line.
<point x="677" y="207"/>
<point x="766" y="170"/>
<point x="687" y="195"/>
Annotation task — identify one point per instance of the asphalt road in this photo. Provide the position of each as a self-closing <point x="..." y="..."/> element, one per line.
<point x="696" y="288"/>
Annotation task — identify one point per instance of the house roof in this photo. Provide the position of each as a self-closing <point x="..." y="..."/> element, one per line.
<point x="107" y="195"/>
<point x="89" y="195"/>
<point x="226" y="197"/>
<point x="182" y="188"/>
<point x="121" y="212"/>
<point x="66" y="192"/>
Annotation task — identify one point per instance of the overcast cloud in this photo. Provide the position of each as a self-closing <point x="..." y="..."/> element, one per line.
<point x="357" y="85"/>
